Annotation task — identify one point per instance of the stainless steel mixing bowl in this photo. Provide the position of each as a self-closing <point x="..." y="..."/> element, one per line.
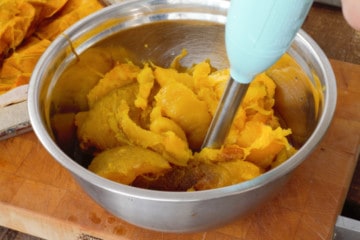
<point x="165" y="27"/>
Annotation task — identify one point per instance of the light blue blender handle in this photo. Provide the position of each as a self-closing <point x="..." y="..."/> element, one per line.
<point x="257" y="34"/>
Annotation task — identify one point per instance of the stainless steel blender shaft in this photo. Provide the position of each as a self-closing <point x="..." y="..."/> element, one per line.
<point x="225" y="113"/>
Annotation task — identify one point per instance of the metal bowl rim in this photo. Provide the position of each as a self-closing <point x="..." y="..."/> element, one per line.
<point x="167" y="196"/>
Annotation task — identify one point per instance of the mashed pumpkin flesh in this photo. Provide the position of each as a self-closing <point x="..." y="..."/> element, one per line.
<point x="27" y="27"/>
<point x="145" y="127"/>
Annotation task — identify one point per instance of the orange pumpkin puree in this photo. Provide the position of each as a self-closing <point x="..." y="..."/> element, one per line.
<point x="145" y="126"/>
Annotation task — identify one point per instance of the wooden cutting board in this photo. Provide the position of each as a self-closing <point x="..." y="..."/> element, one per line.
<point x="39" y="197"/>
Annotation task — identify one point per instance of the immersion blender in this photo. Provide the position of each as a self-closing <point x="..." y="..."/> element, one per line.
<point x="257" y="34"/>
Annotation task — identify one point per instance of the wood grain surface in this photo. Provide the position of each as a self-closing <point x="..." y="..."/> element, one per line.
<point x="39" y="197"/>
<point x="327" y="26"/>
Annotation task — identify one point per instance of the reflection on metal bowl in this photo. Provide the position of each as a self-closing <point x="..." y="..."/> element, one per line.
<point x="167" y="27"/>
